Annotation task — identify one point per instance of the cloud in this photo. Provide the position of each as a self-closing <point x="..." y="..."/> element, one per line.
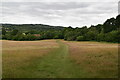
<point x="60" y="0"/>
<point x="76" y="14"/>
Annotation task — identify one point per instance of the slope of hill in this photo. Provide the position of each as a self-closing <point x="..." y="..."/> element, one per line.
<point x="29" y="27"/>
<point x="108" y="31"/>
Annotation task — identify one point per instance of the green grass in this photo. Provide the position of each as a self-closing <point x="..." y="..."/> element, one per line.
<point x="58" y="65"/>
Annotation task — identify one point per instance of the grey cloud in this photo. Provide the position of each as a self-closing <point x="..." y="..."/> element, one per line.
<point x="58" y="13"/>
<point x="60" y="0"/>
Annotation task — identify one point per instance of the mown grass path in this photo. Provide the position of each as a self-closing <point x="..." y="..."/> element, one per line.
<point x="55" y="65"/>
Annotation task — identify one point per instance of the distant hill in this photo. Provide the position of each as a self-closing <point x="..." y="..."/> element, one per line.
<point x="29" y="27"/>
<point x="108" y="31"/>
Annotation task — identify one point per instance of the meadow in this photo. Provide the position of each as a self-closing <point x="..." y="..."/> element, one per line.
<point x="59" y="59"/>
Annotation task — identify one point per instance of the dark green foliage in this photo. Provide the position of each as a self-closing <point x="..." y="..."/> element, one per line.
<point x="80" y="38"/>
<point x="101" y="37"/>
<point x="58" y="35"/>
<point x="7" y="36"/>
<point x="14" y="32"/>
<point x="118" y="21"/>
<point x="3" y="31"/>
<point x="18" y="37"/>
<point x="111" y="24"/>
<point x="108" y="31"/>
<point x="31" y="27"/>
<point x="99" y="28"/>
<point x="32" y="32"/>
<point x="91" y="34"/>
<point x="70" y="36"/>
<point x="112" y="36"/>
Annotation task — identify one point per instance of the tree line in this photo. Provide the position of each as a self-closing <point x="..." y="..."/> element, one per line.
<point x="109" y="31"/>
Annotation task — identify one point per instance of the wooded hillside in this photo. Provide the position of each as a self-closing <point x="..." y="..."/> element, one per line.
<point x="108" y="31"/>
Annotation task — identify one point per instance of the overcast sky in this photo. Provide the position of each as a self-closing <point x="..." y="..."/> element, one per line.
<point x="76" y="13"/>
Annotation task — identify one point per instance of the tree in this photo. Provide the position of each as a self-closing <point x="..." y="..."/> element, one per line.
<point x="30" y="37"/>
<point x="70" y="36"/>
<point x="112" y="36"/>
<point x="80" y="38"/>
<point x="101" y="37"/>
<point x="14" y="32"/>
<point x="118" y="21"/>
<point x="3" y="31"/>
<point x="108" y="31"/>
<point x="109" y="25"/>
<point x="18" y="37"/>
<point x="99" y="27"/>
<point x="8" y="37"/>
<point x="91" y="34"/>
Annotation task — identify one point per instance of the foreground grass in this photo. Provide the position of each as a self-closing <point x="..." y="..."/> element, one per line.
<point x="59" y="59"/>
<point x="100" y="60"/>
<point x="20" y="56"/>
<point x="56" y="64"/>
<point x="0" y="60"/>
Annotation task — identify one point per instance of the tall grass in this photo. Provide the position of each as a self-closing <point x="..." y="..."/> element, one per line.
<point x="18" y="56"/>
<point x="100" y="60"/>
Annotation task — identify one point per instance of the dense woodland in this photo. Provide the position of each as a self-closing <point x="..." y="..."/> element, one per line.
<point x="109" y="31"/>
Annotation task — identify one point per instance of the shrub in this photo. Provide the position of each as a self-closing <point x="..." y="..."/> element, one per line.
<point x="91" y="35"/>
<point x="112" y="36"/>
<point x="101" y="37"/>
<point x="80" y="38"/>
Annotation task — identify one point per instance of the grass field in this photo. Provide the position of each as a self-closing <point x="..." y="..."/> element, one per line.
<point x="59" y="59"/>
<point x="98" y="59"/>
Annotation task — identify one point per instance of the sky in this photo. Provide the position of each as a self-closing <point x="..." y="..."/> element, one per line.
<point x="75" y="13"/>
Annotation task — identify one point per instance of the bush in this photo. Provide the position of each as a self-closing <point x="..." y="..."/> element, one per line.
<point x="112" y="36"/>
<point x="80" y="38"/>
<point x="8" y="37"/>
<point x="91" y="35"/>
<point x="18" y="37"/>
<point x="101" y="37"/>
<point x="70" y="36"/>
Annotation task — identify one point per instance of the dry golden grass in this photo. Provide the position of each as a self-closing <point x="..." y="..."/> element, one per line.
<point x="0" y="59"/>
<point x="8" y="45"/>
<point x="100" y="60"/>
<point x="17" y="54"/>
